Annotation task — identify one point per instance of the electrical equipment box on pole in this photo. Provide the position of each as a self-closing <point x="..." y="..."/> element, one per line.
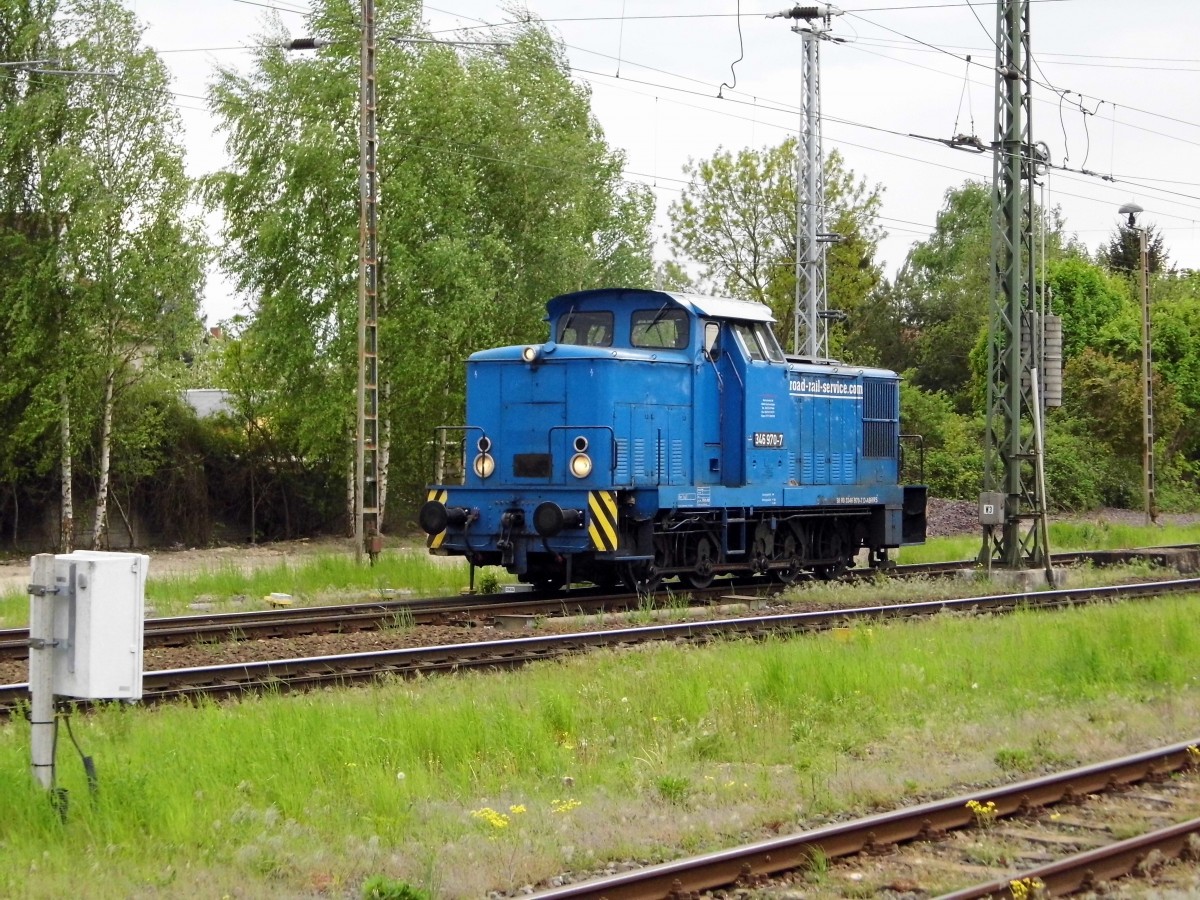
<point x="99" y="605"/>
<point x="991" y="507"/>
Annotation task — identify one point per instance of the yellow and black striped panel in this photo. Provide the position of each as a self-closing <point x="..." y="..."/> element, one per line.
<point x="602" y="523"/>
<point x="435" y="540"/>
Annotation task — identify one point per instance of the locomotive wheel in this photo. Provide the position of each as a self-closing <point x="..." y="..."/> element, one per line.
<point x="791" y="571"/>
<point x="642" y="577"/>
<point x="702" y="575"/>
<point x="831" y="573"/>
<point x="836" y="570"/>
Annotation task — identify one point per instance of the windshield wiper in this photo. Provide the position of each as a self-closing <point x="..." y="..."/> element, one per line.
<point x="567" y="324"/>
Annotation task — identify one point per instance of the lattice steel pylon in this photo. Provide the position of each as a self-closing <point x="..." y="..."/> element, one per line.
<point x="366" y="462"/>
<point x="1016" y="536"/>
<point x="810" y="336"/>
<point x="811" y="298"/>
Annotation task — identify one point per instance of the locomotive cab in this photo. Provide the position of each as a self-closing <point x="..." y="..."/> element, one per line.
<point x="658" y="434"/>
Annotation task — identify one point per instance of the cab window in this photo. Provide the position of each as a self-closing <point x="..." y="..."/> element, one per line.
<point x="768" y="342"/>
<point x="749" y="341"/>
<point x="591" y="329"/>
<point x="758" y="341"/>
<point x="664" y="328"/>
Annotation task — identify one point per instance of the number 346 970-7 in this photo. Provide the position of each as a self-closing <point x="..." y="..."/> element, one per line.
<point x="771" y="439"/>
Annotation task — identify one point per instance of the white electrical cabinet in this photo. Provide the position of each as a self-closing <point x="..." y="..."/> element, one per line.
<point x="99" y="605"/>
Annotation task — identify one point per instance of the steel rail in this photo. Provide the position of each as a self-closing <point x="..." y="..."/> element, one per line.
<point x="288" y="673"/>
<point x="926" y="821"/>
<point x="1086" y="871"/>
<point x="176" y="631"/>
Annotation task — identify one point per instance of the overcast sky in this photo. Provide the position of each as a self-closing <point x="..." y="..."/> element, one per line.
<point x="654" y="68"/>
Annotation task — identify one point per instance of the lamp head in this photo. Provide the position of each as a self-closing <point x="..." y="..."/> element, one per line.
<point x="1131" y="210"/>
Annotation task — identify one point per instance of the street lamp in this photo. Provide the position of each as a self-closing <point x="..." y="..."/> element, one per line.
<point x="1131" y="211"/>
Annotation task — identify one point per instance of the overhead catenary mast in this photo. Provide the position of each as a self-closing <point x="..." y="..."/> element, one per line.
<point x="809" y="334"/>
<point x="1012" y="505"/>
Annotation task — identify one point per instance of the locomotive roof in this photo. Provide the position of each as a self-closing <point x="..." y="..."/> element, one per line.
<point x="698" y="304"/>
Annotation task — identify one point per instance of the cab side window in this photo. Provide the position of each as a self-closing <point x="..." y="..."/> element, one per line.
<point x="766" y="339"/>
<point x="749" y="341"/>
<point x="758" y="341"/>
<point x="664" y="329"/>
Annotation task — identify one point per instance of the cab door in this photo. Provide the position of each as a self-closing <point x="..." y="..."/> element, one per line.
<point x="732" y="368"/>
<point x="719" y="392"/>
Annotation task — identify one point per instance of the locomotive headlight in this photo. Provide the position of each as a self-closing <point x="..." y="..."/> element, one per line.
<point x="485" y="465"/>
<point x="529" y="354"/>
<point x="581" y="465"/>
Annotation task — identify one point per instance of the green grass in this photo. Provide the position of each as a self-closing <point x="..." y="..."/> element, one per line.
<point x="1064" y="536"/>
<point x="321" y="578"/>
<point x="460" y="785"/>
<point x="336" y="577"/>
<point x="309" y="579"/>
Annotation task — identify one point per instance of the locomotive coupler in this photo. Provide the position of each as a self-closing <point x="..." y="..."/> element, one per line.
<point x="509" y="521"/>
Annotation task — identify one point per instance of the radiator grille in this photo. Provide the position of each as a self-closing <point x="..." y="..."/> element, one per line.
<point x="881" y="425"/>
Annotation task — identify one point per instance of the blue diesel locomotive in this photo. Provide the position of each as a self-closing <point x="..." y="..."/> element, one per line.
<point x="660" y="435"/>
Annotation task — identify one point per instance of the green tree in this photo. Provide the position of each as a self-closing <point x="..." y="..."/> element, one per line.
<point x="105" y="268"/>
<point x="33" y="120"/>
<point x="1123" y="254"/>
<point x="736" y="221"/>
<point x="953" y="460"/>
<point x="497" y="191"/>
<point x="1175" y="339"/>
<point x="130" y="253"/>
<point x="1175" y="334"/>
<point x="1095" y="306"/>
<point x="1104" y="405"/>
<point x="942" y="292"/>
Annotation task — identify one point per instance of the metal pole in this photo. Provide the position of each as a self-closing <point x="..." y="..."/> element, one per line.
<point x="801" y="270"/>
<point x="366" y="505"/>
<point x="813" y="257"/>
<point x="1008" y="452"/>
<point x="41" y="668"/>
<point x="810" y="185"/>
<point x="1147" y="387"/>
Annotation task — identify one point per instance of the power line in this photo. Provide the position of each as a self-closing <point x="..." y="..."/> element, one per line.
<point x="916" y="41"/>
<point x="675" y="16"/>
<point x="274" y="6"/>
<point x="962" y="58"/>
<point x="788" y="108"/>
<point x="778" y="107"/>
<point x="928" y="47"/>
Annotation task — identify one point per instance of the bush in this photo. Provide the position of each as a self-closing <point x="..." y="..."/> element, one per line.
<point x="953" y="459"/>
<point x="1076" y="470"/>
<point x="380" y="887"/>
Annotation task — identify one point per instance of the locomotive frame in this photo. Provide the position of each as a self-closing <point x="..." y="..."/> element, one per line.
<point x="659" y="434"/>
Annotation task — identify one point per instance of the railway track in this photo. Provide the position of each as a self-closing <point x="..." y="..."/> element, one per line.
<point x="178" y="631"/>
<point x="286" y="674"/>
<point x="1026" y="803"/>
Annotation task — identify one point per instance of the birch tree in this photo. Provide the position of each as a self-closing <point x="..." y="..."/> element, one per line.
<point x="497" y="190"/>
<point x="34" y="382"/>
<point x="131" y="253"/>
